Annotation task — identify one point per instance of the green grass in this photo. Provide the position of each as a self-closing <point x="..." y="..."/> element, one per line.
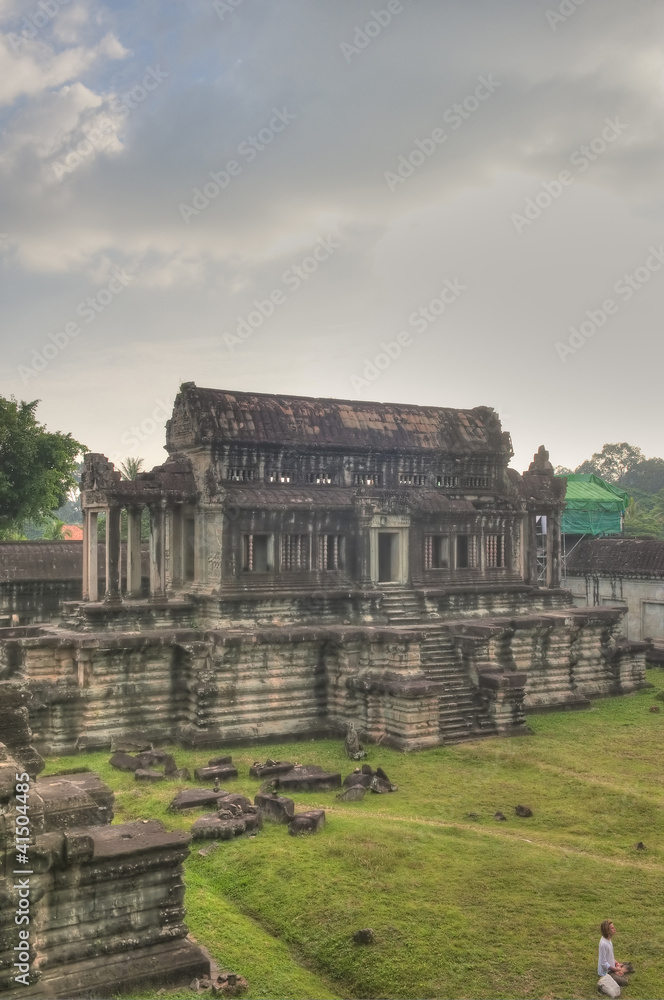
<point x="461" y="908"/>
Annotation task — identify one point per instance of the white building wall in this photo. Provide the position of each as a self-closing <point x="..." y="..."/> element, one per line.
<point x="643" y="598"/>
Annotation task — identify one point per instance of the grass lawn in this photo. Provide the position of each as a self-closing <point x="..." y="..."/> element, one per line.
<point x="461" y="907"/>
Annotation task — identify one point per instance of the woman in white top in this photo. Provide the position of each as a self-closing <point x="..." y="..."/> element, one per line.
<point x="606" y="962"/>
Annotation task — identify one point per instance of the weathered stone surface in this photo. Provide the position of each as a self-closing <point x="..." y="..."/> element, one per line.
<point x="270" y="768"/>
<point x="307" y="822"/>
<point x="75" y="857"/>
<point x="196" y="798"/>
<point x="215" y="827"/>
<point x="221" y="771"/>
<point x="308" y="778"/>
<point x="124" y="761"/>
<point x="523" y="811"/>
<point x="144" y="775"/>
<point x="216" y="761"/>
<point x="352" y="745"/>
<point x="276" y="808"/>
<point x="131" y="743"/>
<point x="380" y="787"/>
<point x="241" y="802"/>
<point x="357" y="778"/>
<point x="353" y="794"/>
<point x="499" y="816"/>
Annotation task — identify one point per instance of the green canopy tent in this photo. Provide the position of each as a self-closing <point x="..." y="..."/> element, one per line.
<point x="593" y="506"/>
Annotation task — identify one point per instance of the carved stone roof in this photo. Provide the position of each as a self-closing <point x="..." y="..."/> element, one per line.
<point x="617" y="557"/>
<point x="337" y="497"/>
<point x="210" y="416"/>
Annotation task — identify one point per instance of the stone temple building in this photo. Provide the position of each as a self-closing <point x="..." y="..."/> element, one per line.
<point x="315" y="563"/>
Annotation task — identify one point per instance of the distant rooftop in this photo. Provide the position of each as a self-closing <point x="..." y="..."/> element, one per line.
<point x="619" y="556"/>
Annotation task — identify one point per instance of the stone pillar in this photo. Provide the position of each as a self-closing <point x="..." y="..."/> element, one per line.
<point x="157" y="555"/>
<point x="92" y="553"/>
<point x="553" y="547"/>
<point x="134" y="552"/>
<point x="530" y="550"/>
<point x="176" y="518"/>
<point x="113" y="554"/>
<point x="85" y="593"/>
<point x="363" y="520"/>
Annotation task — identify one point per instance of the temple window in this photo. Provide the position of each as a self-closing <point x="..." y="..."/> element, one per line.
<point x="495" y="551"/>
<point x="368" y="479"/>
<point x="240" y="475"/>
<point x="294" y="552"/>
<point x="257" y="553"/>
<point x="466" y="551"/>
<point x="320" y="478"/>
<point x="281" y="476"/>
<point x="436" y="552"/>
<point x="449" y="481"/>
<point x="409" y="479"/>
<point x="330" y="551"/>
<point x="477" y="482"/>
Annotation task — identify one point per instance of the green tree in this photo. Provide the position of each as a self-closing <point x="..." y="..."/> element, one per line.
<point x="647" y="475"/>
<point x="53" y="530"/>
<point x="643" y="523"/>
<point x="36" y="466"/>
<point x="613" y="462"/>
<point x="131" y="467"/>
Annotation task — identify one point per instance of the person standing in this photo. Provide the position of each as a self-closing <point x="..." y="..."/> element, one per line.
<point x="606" y="962"/>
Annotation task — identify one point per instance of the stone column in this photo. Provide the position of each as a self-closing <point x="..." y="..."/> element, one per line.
<point x="113" y="554"/>
<point x="177" y="542"/>
<point x="363" y="549"/>
<point x="85" y="593"/>
<point x="530" y="550"/>
<point x="93" y="569"/>
<point x="134" y="552"/>
<point x="553" y="547"/>
<point x="157" y="560"/>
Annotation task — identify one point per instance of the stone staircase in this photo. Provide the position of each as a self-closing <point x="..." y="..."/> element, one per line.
<point x="402" y="607"/>
<point x="462" y="715"/>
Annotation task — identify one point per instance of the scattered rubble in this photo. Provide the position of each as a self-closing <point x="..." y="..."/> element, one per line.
<point x="196" y="798"/>
<point x="235" y="815"/>
<point x="499" y="816"/>
<point x="376" y="781"/>
<point x="274" y="807"/>
<point x="353" y="794"/>
<point x="221" y="771"/>
<point x="307" y="822"/>
<point x="308" y="778"/>
<point x="523" y="811"/>
<point x="270" y="768"/>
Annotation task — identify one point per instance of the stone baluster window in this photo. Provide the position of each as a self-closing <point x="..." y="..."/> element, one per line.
<point x="436" y="552"/>
<point x="330" y="551"/>
<point x="466" y="551"/>
<point x="257" y="553"/>
<point x="294" y="552"/>
<point x="495" y="551"/>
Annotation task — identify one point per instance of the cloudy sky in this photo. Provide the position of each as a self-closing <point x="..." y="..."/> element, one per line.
<point x="446" y="202"/>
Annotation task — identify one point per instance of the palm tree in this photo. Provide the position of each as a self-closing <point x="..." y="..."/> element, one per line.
<point x="131" y="467"/>
<point x="53" y="530"/>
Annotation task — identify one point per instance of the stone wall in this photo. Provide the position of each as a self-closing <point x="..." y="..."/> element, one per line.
<point x="104" y="904"/>
<point x="642" y="599"/>
<point x="410" y="686"/>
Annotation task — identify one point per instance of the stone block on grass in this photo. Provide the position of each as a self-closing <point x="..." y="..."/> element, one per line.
<point x="307" y="822"/>
<point x="308" y="778"/>
<point x="221" y="771"/>
<point x="276" y="808"/>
